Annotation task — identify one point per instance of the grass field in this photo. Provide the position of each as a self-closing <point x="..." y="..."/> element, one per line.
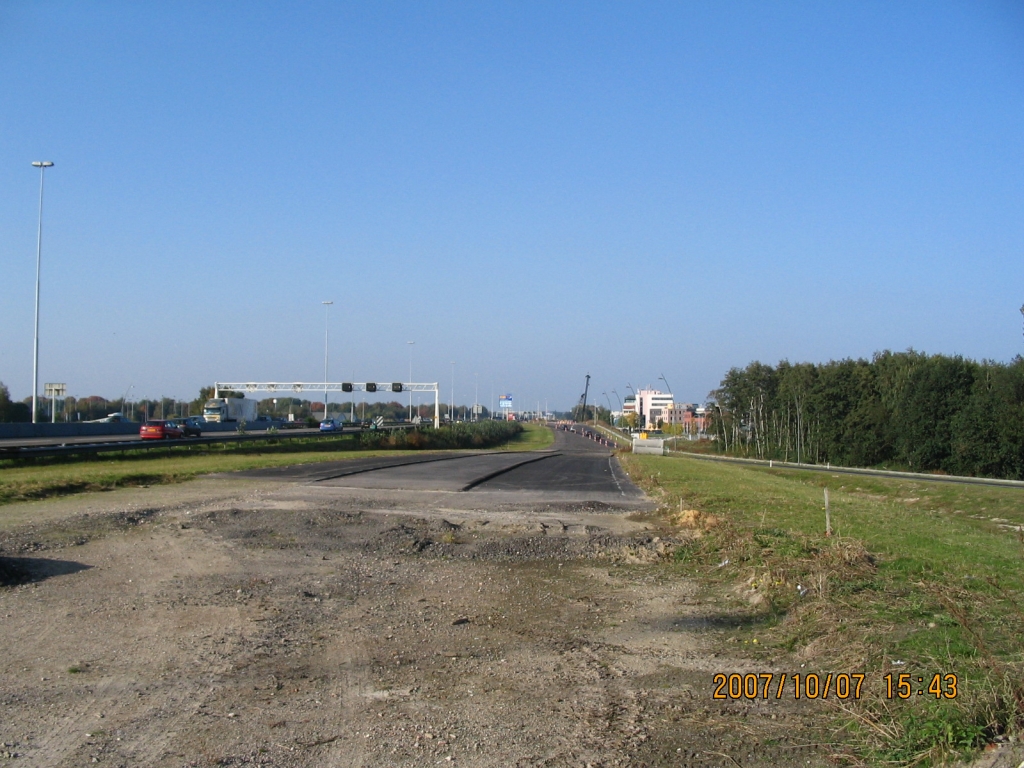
<point x="918" y="578"/>
<point x="28" y="480"/>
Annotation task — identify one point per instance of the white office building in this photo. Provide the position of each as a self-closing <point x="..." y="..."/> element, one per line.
<point x="651" y="405"/>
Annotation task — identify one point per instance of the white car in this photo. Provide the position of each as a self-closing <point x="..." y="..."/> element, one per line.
<point x="113" y="418"/>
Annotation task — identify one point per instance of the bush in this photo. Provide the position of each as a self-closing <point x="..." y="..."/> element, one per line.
<point x="482" y="434"/>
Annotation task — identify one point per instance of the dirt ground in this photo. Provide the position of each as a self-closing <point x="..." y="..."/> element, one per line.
<point x="241" y="621"/>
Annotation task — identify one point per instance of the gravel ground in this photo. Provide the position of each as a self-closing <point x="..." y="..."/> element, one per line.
<point x="245" y="621"/>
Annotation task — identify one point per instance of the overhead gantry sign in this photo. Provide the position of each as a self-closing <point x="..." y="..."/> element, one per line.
<point x="297" y="387"/>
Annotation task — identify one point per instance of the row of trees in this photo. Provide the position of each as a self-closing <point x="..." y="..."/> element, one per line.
<point x="301" y="410"/>
<point x="78" y="409"/>
<point x="903" y="409"/>
<point x="11" y="410"/>
<point x="590" y="413"/>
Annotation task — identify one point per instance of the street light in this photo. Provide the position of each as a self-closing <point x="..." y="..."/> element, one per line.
<point x="42" y="165"/>
<point x="617" y="398"/>
<point x="662" y="378"/>
<point x="411" y="343"/>
<point x="451" y="408"/>
<point x="327" y="307"/>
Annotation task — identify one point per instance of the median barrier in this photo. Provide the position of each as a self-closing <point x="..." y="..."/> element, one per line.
<point x="649" y="445"/>
<point x="28" y="430"/>
<point x="71" y="429"/>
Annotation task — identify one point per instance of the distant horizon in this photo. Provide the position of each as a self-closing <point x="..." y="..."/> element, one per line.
<point x="382" y="397"/>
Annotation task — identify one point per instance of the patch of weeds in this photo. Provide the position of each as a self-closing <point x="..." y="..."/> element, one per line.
<point x="926" y="735"/>
<point x="684" y="552"/>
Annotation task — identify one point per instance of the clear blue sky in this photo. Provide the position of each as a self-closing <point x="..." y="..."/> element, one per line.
<point x="532" y="190"/>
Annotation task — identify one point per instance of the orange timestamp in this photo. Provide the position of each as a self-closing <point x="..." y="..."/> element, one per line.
<point x="904" y="685"/>
<point x="817" y="686"/>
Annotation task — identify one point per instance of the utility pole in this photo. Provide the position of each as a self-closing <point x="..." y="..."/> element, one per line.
<point x="327" y="306"/>
<point x="410" y="379"/>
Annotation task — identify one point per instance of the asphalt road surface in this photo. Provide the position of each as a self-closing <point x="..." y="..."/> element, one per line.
<point x="573" y="468"/>
<point x="36" y="442"/>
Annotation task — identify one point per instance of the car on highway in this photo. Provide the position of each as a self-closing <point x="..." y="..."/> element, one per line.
<point x="329" y="425"/>
<point x="112" y="418"/>
<point x="160" y="429"/>
<point x="191" y="426"/>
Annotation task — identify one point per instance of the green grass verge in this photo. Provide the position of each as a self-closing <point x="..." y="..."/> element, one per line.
<point x="918" y="578"/>
<point x="44" y="478"/>
<point x="534" y="437"/>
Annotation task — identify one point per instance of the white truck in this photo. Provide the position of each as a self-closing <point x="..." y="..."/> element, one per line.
<point x="229" y="409"/>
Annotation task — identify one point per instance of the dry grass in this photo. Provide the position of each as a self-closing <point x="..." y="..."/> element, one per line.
<point x="922" y="581"/>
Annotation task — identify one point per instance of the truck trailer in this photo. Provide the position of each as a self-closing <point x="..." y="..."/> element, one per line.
<point x="229" y="409"/>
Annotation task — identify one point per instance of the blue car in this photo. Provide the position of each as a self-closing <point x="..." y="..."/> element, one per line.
<point x="329" y="425"/>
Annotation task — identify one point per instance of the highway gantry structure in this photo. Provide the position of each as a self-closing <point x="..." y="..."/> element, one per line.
<point x="297" y="387"/>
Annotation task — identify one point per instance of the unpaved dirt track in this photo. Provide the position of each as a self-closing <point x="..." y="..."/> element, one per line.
<point x="317" y="616"/>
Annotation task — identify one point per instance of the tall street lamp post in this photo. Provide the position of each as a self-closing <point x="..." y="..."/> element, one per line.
<point x="42" y="165"/>
<point x="411" y="343"/>
<point x="667" y="385"/>
<point x="451" y="408"/>
<point x="622" y="411"/>
<point x="327" y="307"/>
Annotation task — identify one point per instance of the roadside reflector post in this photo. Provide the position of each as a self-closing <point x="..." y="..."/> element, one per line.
<point x="828" y="516"/>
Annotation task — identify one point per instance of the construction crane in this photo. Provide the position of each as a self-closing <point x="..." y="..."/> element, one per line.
<point x="583" y="401"/>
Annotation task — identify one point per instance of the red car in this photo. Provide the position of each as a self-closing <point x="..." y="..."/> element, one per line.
<point x="160" y="430"/>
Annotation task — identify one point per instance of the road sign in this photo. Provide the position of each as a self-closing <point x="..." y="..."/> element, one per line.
<point x="505" y="401"/>
<point x="378" y="422"/>
<point x="55" y="390"/>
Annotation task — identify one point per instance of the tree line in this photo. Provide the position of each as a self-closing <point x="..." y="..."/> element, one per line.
<point x="900" y="409"/>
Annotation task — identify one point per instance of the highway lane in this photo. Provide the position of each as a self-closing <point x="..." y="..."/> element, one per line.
<point x="67" y="446"/>
<point x="573" y="468"/>
<point x="461" y="473"/>
<point x="36" y="442"/>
